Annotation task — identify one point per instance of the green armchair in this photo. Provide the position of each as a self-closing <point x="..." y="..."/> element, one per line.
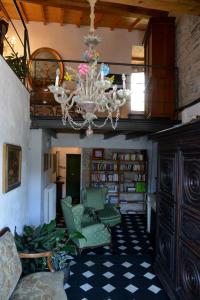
<point x="95" y="234"/>
<point x="95" y="198"/>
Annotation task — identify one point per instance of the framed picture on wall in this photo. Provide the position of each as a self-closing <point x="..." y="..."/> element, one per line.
<point x="12" y="160"/>
<point x="98" y="154"/>
<point x="46" y="161"/>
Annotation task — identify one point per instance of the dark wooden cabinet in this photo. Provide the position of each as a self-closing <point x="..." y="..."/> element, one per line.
<point x="177" y="262"/>
<point x="159" y="51"/>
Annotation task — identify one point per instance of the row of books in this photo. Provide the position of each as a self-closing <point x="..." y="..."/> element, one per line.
<point x="104" y="166"/>
<point x="105" y="177"/>
<point x="132" y="167"/>
<point x="128" y="156"/>
<point x="130" y="177"/>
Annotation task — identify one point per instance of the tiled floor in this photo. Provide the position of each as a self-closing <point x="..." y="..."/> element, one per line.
<point x="125" y="273"/>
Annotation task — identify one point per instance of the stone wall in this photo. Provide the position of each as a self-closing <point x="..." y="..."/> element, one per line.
<point x="188" y="58"/>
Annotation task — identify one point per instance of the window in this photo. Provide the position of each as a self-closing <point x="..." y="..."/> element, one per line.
<point x="137" y="92"/>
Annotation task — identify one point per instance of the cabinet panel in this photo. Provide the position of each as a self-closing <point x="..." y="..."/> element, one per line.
<point x="166" y="211"/>
<point x="165" y="251"/>
<point x="190" y="229"/>
<point x="189" y="271"/>
<point x="167" y="174"/>
<point x="191" y="180"/>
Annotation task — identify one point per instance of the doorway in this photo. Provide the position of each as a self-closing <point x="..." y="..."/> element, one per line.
<point x="73" y="174"/>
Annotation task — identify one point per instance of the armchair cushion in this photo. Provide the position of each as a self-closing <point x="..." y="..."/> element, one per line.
<point x="39" y="286"/>
<point x="95" y="235"/>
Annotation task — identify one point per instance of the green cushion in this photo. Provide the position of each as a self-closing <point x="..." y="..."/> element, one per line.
<point x="95" y="235"/>
<point x="40" y="286"/>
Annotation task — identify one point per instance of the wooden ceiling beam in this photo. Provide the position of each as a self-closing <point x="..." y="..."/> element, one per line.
<point x="139" y="125"/>
<point x="173" y="6"/>
<point x="44" y="14"/>
<point x="134" y="135"/>
<point x="132" y="26"/>
<point x="23" y="11"/>
<point x="104" y="8"/>
<point x="116" y="22"/>
<point x="4" y="12"/>
<point x="98" y="19"/>
<point x="80" y="18"/>
<point x="82" y="134"/>
<point x="62" y="16"/>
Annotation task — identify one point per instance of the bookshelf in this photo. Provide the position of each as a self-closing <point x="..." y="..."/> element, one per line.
<point x="125" y="176"/>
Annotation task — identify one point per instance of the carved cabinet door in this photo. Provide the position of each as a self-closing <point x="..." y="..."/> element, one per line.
<point x="189" y="243"/>
<point x="166" y="208"/>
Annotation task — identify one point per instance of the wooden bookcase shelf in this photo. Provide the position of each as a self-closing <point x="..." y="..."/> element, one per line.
<point x="125" y="176"/>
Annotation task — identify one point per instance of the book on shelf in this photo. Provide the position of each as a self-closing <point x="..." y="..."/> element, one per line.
<point x="128" y="156"/>
<point x="102" y="166"/>
<point x="105" y="177"/>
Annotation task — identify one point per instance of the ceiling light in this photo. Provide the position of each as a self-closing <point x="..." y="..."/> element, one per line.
<point x="94" y="92"/>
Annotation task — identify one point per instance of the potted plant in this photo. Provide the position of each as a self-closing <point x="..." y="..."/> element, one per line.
<point x="46" y="237"/>
<point x="17" y="64"/>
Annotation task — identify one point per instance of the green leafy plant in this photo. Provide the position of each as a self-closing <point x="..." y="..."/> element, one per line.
<point x="46" y="238"/>
<point x="17" y="64"/>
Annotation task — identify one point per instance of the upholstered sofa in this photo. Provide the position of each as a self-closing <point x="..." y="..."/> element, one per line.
<point x="95" y="198"/>
<point x="36" y="286"/>
<point x="96" y="234"/>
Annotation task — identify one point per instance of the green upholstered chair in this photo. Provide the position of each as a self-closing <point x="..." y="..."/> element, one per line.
<point x="94" y="197"/>
<point x="96" y="234"/>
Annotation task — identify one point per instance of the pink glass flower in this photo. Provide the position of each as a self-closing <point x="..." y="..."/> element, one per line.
<point x="83" y="69"/>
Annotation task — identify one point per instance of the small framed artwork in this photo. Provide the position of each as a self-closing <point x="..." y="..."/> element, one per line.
<point x="12" y="160"/>
<point x="46" y="161"/>
<point x="98" y="154"/>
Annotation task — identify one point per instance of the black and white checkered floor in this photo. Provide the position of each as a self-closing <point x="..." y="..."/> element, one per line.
<point x="124" y="273"/>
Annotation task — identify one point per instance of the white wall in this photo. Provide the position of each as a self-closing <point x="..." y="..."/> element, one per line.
<point x="116" y="45"/>
<point x="40" y="143"/>
<point x="14" y="129"/>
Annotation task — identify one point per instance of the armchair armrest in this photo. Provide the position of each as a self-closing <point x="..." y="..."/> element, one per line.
<point x="47" y="254"/>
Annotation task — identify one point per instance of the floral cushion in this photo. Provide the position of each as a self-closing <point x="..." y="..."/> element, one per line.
<point x="10" y="266"/>
<point x="40" y="286"/>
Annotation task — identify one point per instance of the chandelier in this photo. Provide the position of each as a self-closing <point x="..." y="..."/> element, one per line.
<point x="94" y="92"/>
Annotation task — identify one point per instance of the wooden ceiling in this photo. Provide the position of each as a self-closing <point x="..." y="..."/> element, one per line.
<point x="127" y="14"/>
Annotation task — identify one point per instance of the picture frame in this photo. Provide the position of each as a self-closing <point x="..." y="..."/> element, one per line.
<point x="12" y="161"/>
<point x="46" y="162"/>
<point x="98" y="153"/>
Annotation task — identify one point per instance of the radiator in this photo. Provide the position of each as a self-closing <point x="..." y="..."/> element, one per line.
<point x="50" y="203"/>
